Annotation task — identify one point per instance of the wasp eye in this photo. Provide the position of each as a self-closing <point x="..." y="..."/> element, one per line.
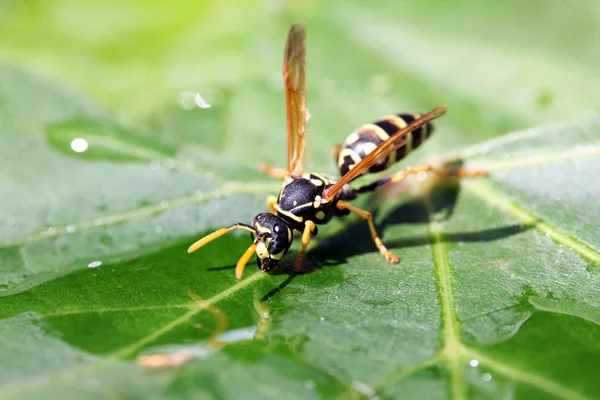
<point x="279" y="228"/>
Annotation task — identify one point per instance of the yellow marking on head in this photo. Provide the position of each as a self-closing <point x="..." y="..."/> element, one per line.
<point x="352" y="138"/>
<point x="262" y="229"/>
<point x="261" y="250"/>
<point x="320" y="215"/>
<point x="295" y="202"/>
<point x="290" y="234"/>
<point x="278" y="256"/>
<point x="288" y="214"/>
<point x="316" y="182"/>
<point x="306" y="176"/>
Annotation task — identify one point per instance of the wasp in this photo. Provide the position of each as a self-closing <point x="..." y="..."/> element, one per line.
<point x="310" y="199"/>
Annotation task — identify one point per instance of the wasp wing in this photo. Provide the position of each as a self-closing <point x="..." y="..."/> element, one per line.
<point x="383" y="150"/>
<point x="294" y="77"/>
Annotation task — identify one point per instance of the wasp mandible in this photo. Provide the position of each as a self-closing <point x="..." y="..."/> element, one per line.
<point x="310" y="199"/>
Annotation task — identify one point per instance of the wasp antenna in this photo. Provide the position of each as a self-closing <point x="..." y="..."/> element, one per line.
<point x="241" y="264"/>
<point x="216" y="234"/>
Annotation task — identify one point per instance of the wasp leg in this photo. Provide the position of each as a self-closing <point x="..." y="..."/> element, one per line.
<point x="272" y="171"/>
<point x="335" y="150"/>
<point x="271" y="201"/>
<point x="443" y="172"/>
<point x="342" y="205"/>
<point x="309" y="227"/>
<point x="462" y="172"/>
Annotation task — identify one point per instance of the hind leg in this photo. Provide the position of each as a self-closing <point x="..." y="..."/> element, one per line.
<point x="342" y="205"/>
<point x="445" y="173"/>
<point x="335" y="150"/>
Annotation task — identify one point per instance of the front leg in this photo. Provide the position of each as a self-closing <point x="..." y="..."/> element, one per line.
<point x="445" y="173"/>
<point x="309" y="228"/>
<point x="271" y="201"/>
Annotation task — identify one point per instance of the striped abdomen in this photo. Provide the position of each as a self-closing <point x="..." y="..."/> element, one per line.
<point x="364" y="140"/>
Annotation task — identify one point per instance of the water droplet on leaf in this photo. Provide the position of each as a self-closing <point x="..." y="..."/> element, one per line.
<point x="79" y="145"/>
<point x="94" y="264"/>
<point x="190" y="100"/>
<point x="310" y="384"/>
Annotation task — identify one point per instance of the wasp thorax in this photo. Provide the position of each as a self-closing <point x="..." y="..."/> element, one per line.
<point x="276" y="240"/>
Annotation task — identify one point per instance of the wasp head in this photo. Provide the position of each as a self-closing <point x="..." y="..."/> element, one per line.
<point x="275" y="240"/>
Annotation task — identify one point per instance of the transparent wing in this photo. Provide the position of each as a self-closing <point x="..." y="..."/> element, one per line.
<point x="382" y="151"/>
<point x="294" y="77"/>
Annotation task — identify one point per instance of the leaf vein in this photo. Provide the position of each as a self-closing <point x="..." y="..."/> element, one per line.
<point x="452" y="348"/>
<point x="65" y="376"/>
<point x="540" y="382"/>
<point x="117" y="309"/>
<point x="494" y="197"/>
<point x="196" y="198"/>
<point x="508" y="161"/>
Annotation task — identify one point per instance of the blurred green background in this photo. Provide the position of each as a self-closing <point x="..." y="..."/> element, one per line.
<point x="505" y="65"/>
<point x="497" y="299"/>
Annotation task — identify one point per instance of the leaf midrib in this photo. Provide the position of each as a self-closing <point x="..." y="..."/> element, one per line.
<point x="454" y="352"/>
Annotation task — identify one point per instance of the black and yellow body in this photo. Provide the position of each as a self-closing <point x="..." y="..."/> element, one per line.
<point x="366" y="138"/>
<point x="298" y="205"/>
<point x="308" y="200"/>
<point x="300" y="201"/>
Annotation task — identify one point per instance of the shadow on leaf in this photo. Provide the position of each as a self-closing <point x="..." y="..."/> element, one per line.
<point x="437" y="206"/>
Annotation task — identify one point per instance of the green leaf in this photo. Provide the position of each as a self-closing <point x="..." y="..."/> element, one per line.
<point x="94" y="139"/>
<point x="498" y="291"/>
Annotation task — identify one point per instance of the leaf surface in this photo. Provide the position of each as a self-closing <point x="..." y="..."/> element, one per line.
<point x="498" y="291"/>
